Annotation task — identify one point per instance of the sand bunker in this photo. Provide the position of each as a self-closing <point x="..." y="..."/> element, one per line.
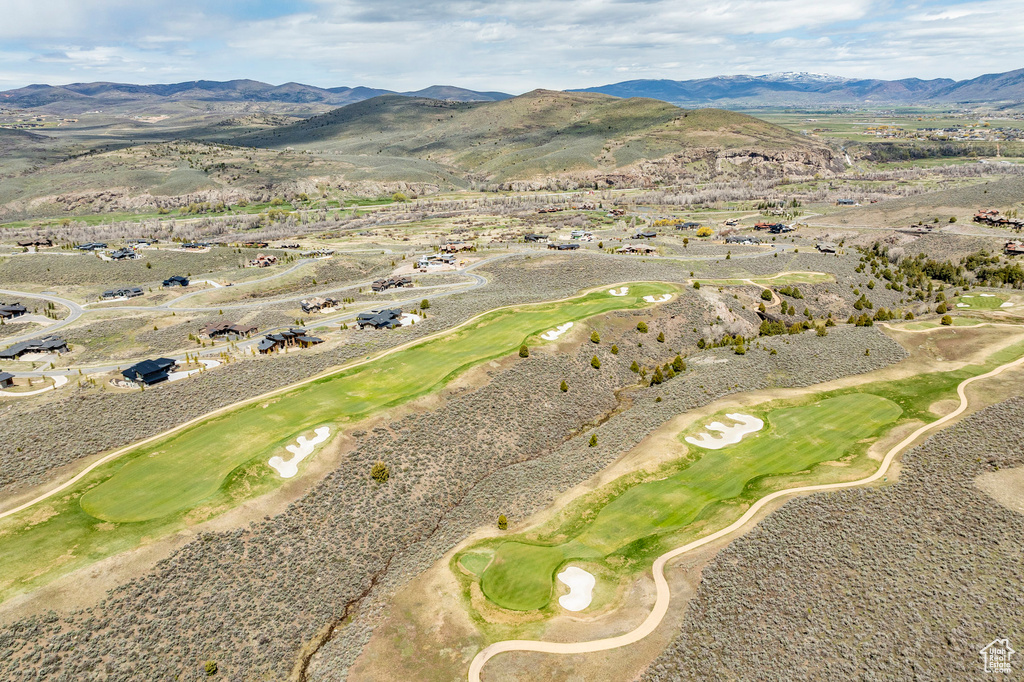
<point x="730" y="435"/>
<point x="556" y="332"/>
<point x="1006" y="305"/>
<point x="304" y="449"/>
<point x="988" y="295"/>
<point x="963" y="305"/>
<point x="581" y="588"/>
<point x="658" y="299"/>
<point x="621" y="291"/>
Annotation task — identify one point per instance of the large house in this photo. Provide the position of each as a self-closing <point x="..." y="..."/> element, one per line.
<point x="123" y="292"/>
<point x="318" y="304"/>
<point x="283" y="339"/>
<point x="389" y="282"/>
<point x="743" y="239"/>
<point x="218" y="329"/>
<point x="455" y="247"/>
<point x="563" y="246"/>
<point x="123" y="254"/>
<point x="825" y="247"/>
<point x="149" y="372"/>
<point x="389" y="318"/>
<point x="176" y="281"/>
<point x="11" y="310"/>
<point x="645" y="234"/>
<point x="37" y="243"/>
<point x="534" y="237"/>
<point x="636" y="248"/>
<point x="262" y="261"/>
<point x="1014" y="249"/>
<point x="435" y="259"/>
<point x="46" y="344"/>
<point x="91" y="246"/>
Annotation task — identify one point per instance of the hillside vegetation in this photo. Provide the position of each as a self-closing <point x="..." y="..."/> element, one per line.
<point x="541" y="133"/>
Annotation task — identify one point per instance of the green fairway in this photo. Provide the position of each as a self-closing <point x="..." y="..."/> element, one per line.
<point x="218" y="462"/>
<point x="979" y="302"/>
<point x="794" y="439"/>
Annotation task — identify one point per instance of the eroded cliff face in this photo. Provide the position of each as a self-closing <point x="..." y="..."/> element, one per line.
<point x="695" y="165"/>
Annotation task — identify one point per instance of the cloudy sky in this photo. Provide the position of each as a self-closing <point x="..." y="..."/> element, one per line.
<point x="514" y="45"/>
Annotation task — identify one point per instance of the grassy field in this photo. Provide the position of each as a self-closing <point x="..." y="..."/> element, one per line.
<point x="520" y="576"/>
<point x="979" y="302"/>
<point x="214" y="464"/>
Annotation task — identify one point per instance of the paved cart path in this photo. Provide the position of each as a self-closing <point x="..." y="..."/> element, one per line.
<point x="661" y="584"/>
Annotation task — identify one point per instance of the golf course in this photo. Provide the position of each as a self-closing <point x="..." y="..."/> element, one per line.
<point x="214" y="463"/>
<point x="624" y="524"/>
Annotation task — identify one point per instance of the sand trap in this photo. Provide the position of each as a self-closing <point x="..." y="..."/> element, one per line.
<point x="730" y="435"/>
<point x="556" y="332"/>
<point x="581" y="588"/>
<point x="1006" y="305"/>
<point x="304" y="449"/>
<point x="621" y="291"/>
<point x="658" y="299"/>
<point x="988" y="295"/>
<point x="963" y="305"/>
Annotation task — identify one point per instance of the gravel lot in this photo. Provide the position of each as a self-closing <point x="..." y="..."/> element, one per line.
<point x="905" y="582"/>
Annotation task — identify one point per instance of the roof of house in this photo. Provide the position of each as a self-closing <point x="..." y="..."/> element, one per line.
<point x="310" y="339"/>
<point x="266" y="343"/>
<point x="40" y="345"/>
<point x="176" y="279"/>
<point x="5" y="376"/>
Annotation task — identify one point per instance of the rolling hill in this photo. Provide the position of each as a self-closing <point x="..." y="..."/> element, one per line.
<point x="544" y="133"/>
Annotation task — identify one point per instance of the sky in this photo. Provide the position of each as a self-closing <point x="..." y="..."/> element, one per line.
<point x="513" y="46"/>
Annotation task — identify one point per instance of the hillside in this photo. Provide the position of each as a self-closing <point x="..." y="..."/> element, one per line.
<point x="544" y="133"/>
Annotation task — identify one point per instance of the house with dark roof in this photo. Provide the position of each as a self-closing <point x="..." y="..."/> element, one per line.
<point x="563" y="247"/>
<point x="6" y="379"/>
<point x="123" y="292"/>
<point x="149" y="372"/>
<point x="389" y="318"/>
<point x="176" y="281"/>
<point x="390" y="282"/>
<point x="318" y="304"/>
<point x="744" y="239"/>
<point x="1014" y="248"/>
<point x="825" y="247"/>
<point x="645" y="234"/>
<point x="37" y="243"/>
<point x="218" y="329"/>
<point x="123" y="254"/>
<point x="283" y="339"/>
<point x="534" y="237"/>
<point x="91" y="246"/>
<point x="46" y="344"/>
<point x="11" y="310"/>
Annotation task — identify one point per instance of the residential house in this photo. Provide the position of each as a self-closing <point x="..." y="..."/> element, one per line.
<point x="318" y="304"/>
<point x="317" y="253"/>
<point x="825" y="247"/>
<point x="176" y="281"/>
<point x="149" y="372"/>
<point x="262" y="261"/>
<point x="36" y="243"/>
<point x="11" y="310"/>
<point x="846" y="202"/>
<point x="743" y="239"/>
<point x="6" y="379"/>
<point x="636" y="248"/>
<point x="284" y="339"/>
<point x="1014" y="249"/>
<point x="143" y="241"/>
<point x="389" y="318"/>
<point x="123" y="254"/>
<point x="91" y="246"/>
<point x="123" y="292"/>
<point x="435" y="259"/>
<point x="563" y="246"/>
<point x="217" y="329"/>
<point x="780" y="228"/>
<point x="46" y="344"/>
<point x="535" y="237"/>
<point x="390" y="282"/>
<point x="456" y="247"/>
<point x="307" y="341"/>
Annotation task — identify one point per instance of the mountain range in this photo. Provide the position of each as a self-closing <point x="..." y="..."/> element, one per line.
<point x="776" y="89"/>
<point x="802" y="89"/>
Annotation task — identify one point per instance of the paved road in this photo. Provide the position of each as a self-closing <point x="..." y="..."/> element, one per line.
<point x="76" y="312"/>
<point x="663" y="596"/>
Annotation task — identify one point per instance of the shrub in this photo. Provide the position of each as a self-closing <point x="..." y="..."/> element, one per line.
<point x="947" y="320"/>
<point x="595" y="337"/>
<point x="679" y="364"/>
<point x="424" y="304"/>
<point x="380" y="472"/>
<point x="942" y="308"/>
<point x="766" y="294"/>
<point x="210" y="667"/>
<point x="641" y="327"/>
<point x="615" y="349"/>
<point x="658" y="377"/>
<point x="524" y="352"/>
<point x="761" y="307"/>
<point x="822" y="331"/>
<point x="909" y="315"/>
<point x="740" y="349"/>
<point x="661" y="337"/>
<point x="595" y="362"/>
<point x="399" y="196"/>
<point x="502" y="522"/>
<point x="564" y="387"/>
<point x="704" y="232"/>
<point x="593" y="440"/>
<point x="696" y="285"/>
<point x="634" y="367"/>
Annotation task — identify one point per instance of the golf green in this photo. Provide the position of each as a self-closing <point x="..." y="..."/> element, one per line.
<point x="178" y="472"/>
<point x="978" y="302"/>
<point x="521" y="575"/>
